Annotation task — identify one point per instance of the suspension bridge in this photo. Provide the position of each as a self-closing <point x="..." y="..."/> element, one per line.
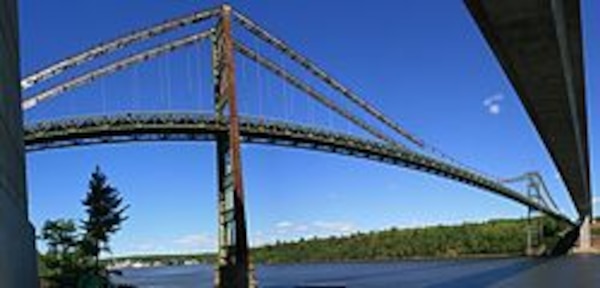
<point x="220" y="76"/>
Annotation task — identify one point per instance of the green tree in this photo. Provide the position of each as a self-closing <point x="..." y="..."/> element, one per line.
<point x="60" y="236"/>
<point x="63" y="261"/>
<point x="105" y="214"/>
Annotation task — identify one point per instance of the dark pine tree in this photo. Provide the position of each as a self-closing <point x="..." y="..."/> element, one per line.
<point x="105" y="214"/>
<point x="60" y="263"/>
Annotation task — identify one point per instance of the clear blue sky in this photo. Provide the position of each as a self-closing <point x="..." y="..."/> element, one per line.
<point x="424" y="63"/>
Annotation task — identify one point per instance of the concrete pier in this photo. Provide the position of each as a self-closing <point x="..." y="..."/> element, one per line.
<point x="18" y="256"/>
<point x="585" y="236"/>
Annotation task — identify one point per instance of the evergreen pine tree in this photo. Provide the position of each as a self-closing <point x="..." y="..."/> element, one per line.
<point x="61" y="262"/>
<point x="105" y="214"/>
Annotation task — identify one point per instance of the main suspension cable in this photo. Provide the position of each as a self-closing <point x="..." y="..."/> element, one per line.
<point x="86" y="78"/>
<point x="294" y="81"/>
<point x="319" y="73"/>
<point x="113" y="45"/>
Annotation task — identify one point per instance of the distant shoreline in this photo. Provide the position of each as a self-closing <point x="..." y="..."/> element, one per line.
<point x="494" y="239"/>
<point x="349" y="261"/>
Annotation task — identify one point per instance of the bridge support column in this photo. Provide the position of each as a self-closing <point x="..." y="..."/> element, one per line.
<point x="233" y="263"/>
<point x="18" y="256"/>
<point x="585" y="235"/>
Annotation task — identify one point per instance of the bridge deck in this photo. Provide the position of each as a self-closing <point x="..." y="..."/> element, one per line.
<point x="198" y="127"/>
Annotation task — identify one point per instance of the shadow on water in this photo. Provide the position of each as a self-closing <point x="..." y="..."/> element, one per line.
<point x="489" y="277"/>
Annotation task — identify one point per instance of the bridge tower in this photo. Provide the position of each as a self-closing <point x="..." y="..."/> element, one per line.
<point x="233" y="263"/>
<point x="536" y="189"/>
<point x="535" y="227"/>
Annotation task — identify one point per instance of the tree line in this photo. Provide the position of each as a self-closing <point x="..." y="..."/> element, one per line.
<point x="503" y="237"/>
<point x="496" y="237"/>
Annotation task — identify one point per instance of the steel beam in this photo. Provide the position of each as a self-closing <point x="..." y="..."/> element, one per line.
<point x="233" y="263"/>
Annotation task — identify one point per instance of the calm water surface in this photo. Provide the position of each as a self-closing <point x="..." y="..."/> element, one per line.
<point x="571" y="271"/>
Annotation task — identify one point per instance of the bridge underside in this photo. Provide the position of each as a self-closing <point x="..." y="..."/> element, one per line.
<point x="538" y="43"/>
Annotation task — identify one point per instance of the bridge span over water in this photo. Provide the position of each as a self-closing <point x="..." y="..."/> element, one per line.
<point x="206" y="127"/>
<point x="383" y="140"/>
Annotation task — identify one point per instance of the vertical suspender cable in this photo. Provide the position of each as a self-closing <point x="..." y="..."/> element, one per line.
<point x="278" y="44"/>
<point x="286" y="101"/>
<point x="188" y="72"/>
<point x="242" y="83"/>
<point x="201" y="93"/>
<point x="308" y="90"/>
<point x="103" y="94"/>
<point x="136" y="89"/>
<point x="259" y="82"/>
<point x="168" y="74"/>
<point x="305" y="63"/>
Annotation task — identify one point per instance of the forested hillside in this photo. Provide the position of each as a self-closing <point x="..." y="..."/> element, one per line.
<point x="498" y="237"/>
<point x="507" y="237"/>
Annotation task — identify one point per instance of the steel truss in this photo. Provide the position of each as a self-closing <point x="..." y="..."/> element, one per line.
<point x="193" y="126"/>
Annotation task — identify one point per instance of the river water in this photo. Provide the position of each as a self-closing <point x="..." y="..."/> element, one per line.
<point x="570" y="271"/>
